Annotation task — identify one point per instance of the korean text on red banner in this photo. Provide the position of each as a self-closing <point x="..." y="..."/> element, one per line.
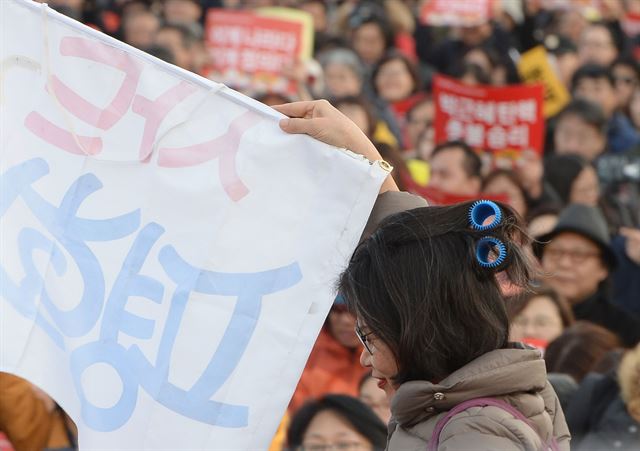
<point x="250" y="50"/>
<point x="455" y="12"/>
<point x="503" y="121"/>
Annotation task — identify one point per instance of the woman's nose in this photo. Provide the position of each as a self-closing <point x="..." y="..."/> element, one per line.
<point x="365" y="358"/>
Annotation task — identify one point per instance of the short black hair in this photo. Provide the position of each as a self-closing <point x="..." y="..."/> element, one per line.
<point x="471" y="163"/>
<point x="591" y="72"/>
<point x="588" y="111"/>
<point x="417" y="286"/>
<point x="630" y="62"/>
<point x="354" y="411"/>
<point x="373" y="12"/>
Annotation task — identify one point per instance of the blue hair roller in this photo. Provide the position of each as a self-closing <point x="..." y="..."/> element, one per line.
<point x="480" y="211"/>
<point x="484" y="246"/>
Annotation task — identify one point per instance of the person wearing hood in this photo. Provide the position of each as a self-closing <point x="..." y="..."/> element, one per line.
<point x="578" y="260"/>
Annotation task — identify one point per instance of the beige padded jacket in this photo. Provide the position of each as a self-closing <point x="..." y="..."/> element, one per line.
<point x="517" y="376"/>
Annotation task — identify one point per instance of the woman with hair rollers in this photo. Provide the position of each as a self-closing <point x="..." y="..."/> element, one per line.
<point x="433" y="322"/>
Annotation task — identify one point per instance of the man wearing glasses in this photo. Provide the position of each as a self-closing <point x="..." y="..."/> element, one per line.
<point x="577" y="260"/>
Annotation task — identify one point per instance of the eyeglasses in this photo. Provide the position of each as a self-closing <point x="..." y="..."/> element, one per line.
<point x="363" y="338"/>
<point x="625" y="80"/>
<point x="576" y="256"/>
<point x="340" y="446"/>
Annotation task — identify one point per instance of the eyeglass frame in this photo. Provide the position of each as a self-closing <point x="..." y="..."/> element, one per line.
<point x="363" y="338"/>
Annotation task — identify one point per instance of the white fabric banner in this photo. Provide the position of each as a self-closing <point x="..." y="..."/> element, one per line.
<point x="168" y="255"/>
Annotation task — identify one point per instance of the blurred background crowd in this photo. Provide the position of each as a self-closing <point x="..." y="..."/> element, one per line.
<point x="375" y="61"/>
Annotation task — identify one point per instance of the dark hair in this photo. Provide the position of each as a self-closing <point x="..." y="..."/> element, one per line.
<point x="561" y="171"/>
<point x="588" y="111"/>
<point x="417" y="285"/>
<point x="591" y="71"/>
<point x="159" y="51"/>
<point x="472" y="164"/>
<point x="354" y="411"/>
<point x="579" y="349"/>
<point x="463" y="68"/>
<point x="366" y="107"/>
<point x="518" y="302"/>
<point x="372" y="12"/>
<point x="408" y="64"/>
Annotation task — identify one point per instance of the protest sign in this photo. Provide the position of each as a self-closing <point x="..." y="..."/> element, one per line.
<point x="502" y="121"/>
<point x="167" y="253"/>
<point x="455" y="12"/>
<point x="534" y="67"/>
<point x="249" y="49"/>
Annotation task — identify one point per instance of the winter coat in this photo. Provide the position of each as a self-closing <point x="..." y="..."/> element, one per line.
<point x="598" y="417"/>
<point x="516" y="376"/>
<point x="600" y="310"/>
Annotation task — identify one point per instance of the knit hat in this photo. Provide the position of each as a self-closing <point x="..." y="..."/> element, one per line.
<point x="583" y="220"/>
<point x="560" y="171"/>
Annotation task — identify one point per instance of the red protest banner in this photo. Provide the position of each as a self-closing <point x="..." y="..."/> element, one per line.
<point x="250" y="50"/>
<point x="502" y="121"/>
<point x="455" y="12"/>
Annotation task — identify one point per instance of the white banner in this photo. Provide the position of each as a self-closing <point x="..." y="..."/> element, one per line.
<point x="168" y="255"/>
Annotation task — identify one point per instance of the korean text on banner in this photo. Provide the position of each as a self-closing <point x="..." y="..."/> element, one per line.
<point x="251" y="48"/>
<point x="159" y="277"/>
<point x="534" y="67"/>
<point x="501" y="121"/>
<point x="455" y="12"/>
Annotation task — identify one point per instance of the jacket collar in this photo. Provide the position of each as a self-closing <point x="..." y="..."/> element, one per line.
<point x="496" y="373"/>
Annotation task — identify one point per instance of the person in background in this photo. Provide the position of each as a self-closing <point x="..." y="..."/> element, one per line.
<point x="595" y="83"/>
<point x="577" y="260"/>
<point x="334" y="363"/>
<point x="605" y="411"/>
<point x="541" y="315"/>
<point x="372" y="35"/>
<point x="184" y="12"/>
<point x="626" y="78"/>
<point x="573" y="178"/>
<point x="182" y="42"/>
<point x="419" y="139"/>
<point x="597" y="45"/>
<point x="634" y="108"/>
<point x="542" y="220"/>
<point x="580" y="349"/>
<point x="581" y="129"/>
<point x="396" y="81"/>
<point x="139" y="28"/>
<point x="343" y="73"/>
<point x="359" y="111"/>
<point x="375" y="397"/>
<point x="505" y="183"/>
<point x="455" y="169"/>
<point x="336" y="422"/>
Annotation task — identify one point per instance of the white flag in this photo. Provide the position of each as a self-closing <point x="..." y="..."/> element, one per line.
<point x="168" y="255"/>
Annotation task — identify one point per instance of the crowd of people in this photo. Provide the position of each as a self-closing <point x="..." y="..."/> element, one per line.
<point x="573" y="212"/>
